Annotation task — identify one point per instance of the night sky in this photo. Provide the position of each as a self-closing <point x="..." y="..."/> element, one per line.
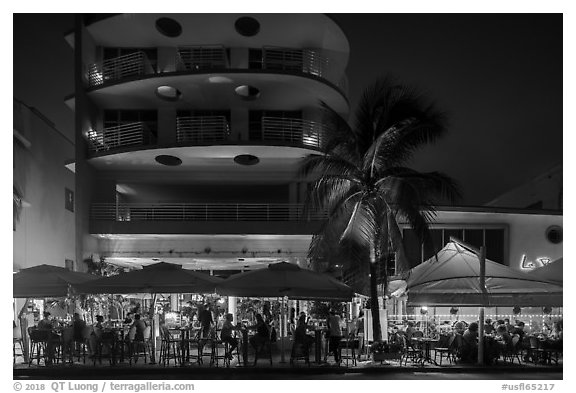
<point x="498" y="77"/>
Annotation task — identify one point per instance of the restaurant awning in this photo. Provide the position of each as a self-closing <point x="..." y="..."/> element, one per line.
<point x="157" y="278"/>
<point x="452" y="278"/>
<point x="46" y="281"/>
<point x="285" y="279"/>
<point x="553" y="272"/>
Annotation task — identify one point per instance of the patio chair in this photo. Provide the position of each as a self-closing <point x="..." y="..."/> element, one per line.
<point x="446" y="348"/>
<point x="513" y="351"/>
<point x="411" y="351"/>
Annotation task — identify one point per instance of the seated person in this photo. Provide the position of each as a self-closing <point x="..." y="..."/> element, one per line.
<point x="96" y="335"/>
<point x="51" y="338"/>
<point x="519" y="330"/>
<point x="129" y="318"/>
<point x="45" y="323"/>
<point x="139" y="325"/>
<point x="410" y="329"/>
<point x="300" y="335"/>
<point x="469" y="352"/>
<point x="488" y="327"/>
<point x="262" y="335"/>
<point x="226" y="334"/>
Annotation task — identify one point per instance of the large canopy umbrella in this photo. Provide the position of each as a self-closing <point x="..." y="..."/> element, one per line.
<point x="553" y="272"/>
<point x="286" y="279"/>
<point x="46" y="281"/>
<point x="160" y="277"/>
<point x="452" y="278"/>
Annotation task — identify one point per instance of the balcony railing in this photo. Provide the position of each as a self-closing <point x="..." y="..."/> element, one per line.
<point x="202" y="129"/>
<point x="132" y="134"/>
<point x="127" y="66"/>
<point x="202" y="212"/>
<point x="196" y="58"/>
<point x="307" y="61"/>
<point x="301" y="132"/>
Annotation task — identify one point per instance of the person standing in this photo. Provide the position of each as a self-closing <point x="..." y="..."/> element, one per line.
<point x="206" y="321"/>
<point x="335" y="334"/>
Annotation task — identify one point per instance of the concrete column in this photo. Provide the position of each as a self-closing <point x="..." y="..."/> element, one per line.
<point x="232" y="308"/>
<point x="239" y="123"/>
<point x="166" y="126"/>
<point x="174" y="306"/>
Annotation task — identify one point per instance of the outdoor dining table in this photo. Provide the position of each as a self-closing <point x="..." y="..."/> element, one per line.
<point x="426" y="345"/>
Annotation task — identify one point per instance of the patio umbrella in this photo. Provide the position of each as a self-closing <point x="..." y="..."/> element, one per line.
<point x="285" y="279"/>
<point x="46" y="281"/>
<point x="451" y="278"/>
<point x="160" y="277"/>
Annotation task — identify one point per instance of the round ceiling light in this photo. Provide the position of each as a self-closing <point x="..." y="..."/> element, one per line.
<point x="246" y="159"/>
<point x="247" y="92"/>
<point x="168" y="160"/>
<point x="247" y="26"/>
<point x="168" y="27"/>
<point x="168" y="93"/>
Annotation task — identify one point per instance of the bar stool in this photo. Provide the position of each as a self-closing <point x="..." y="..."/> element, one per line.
<point x="38" y="341"/>
<point x="348" y="349"/>
<point x="264" y="348"/>
<point x="219" y="352"/>
<point x="169" y="347"/>
<point x="139" y="346"/>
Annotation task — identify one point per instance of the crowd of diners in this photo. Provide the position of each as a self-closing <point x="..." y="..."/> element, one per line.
<point x="206" y="323"/>
<point x="501" y="337"/>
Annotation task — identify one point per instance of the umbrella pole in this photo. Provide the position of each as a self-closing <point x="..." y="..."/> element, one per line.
<point x="482" y="258"/>
<point x="153" y="330"/>
<point x="282" y="316"/>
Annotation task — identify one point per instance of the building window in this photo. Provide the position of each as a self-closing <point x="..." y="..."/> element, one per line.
<point x="69" y="195"/>
<point x="492" y="239"/>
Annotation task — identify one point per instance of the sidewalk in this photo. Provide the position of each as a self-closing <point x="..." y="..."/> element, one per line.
<point x="263" y="369"/>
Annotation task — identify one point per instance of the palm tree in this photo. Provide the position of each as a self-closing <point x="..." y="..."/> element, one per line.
<point x="364" y="185"/>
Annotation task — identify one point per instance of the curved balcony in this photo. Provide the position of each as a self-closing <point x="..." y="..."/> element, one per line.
<point x="202" y="129"/>
<point x="299" y="132"/>
<point x="198" y="59"/>
<point x="202" y="212"/>
<point x="122" y="136"/>
<point x="130" y="66"/>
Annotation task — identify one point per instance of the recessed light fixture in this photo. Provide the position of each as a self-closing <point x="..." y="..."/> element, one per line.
<point x="247" y="26"/>
<point x="168" y="93"/>
<point x="168" y="27"/>
<point x="248" y="92"/>
<point x="246" y="159"/>
<point x="168" y="160"/>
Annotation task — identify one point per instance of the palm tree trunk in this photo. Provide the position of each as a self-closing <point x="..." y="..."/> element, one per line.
<point x="374" y="306"/>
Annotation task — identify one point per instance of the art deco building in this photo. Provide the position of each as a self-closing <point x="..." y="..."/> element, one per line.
<point x="190" y="131"/>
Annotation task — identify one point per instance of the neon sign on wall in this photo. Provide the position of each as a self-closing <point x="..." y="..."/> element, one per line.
<point x="539" y="262"/>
